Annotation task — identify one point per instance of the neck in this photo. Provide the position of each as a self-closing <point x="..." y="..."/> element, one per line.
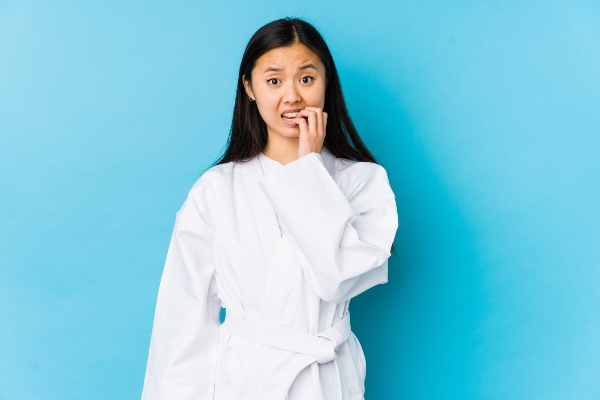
<point x="281" y="149"/>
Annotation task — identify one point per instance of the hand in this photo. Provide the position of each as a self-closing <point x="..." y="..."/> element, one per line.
<point x="312" y="122"/>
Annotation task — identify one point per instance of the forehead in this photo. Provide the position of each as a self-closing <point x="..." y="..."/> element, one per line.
<point x="291" y="57"/>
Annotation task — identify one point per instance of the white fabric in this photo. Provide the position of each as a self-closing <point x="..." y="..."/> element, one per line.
<point x="285" y="246"/>
<point x="322" y="345"/>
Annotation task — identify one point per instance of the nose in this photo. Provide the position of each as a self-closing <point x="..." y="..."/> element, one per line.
<point x="291" y="94"/>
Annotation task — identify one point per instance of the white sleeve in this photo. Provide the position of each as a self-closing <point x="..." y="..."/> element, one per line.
<point x="341" y="230"/>
<point x="183" y="347"/>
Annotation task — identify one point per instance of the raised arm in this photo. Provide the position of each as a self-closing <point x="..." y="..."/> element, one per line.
<point x="183" y="348"/>
<point x="341" y="230"/>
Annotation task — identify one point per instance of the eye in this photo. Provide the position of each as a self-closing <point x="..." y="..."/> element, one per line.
<point x="310" y="78"/>
<point x="271" y="80"/>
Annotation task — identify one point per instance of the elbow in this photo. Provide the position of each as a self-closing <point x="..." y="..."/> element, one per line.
<point x="335" y="298"/>
<point x="339" y="291"/>
<point x="332" y="290"/>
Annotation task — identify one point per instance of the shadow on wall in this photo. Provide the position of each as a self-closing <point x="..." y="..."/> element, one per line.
<point x="418" y="331"/>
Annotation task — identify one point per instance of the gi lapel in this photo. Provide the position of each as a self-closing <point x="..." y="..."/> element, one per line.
<point x="247" y="384"/>
<point x="266" y="221"/>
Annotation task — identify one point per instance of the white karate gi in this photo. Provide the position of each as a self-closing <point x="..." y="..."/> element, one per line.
<point x="281" y="246"/>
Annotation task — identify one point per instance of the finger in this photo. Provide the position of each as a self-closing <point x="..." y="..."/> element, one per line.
<point x="316" y="109"/>
<point x="324" y="123"/>
<point x="320" y="127"/>
<point x="319" y="114"/>
<point x="302" y="124"/>
<point x="312" y="121"/>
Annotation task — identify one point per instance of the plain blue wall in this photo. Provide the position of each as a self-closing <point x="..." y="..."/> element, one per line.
<point x="485" y="114"/>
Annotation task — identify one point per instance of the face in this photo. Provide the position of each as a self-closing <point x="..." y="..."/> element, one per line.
<point x="286" y="80"/>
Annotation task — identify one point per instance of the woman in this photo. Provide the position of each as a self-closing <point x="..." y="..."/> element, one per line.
<point x="292" y="222"/>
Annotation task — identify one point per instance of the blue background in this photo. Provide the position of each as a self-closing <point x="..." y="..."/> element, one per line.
<point x="486" y="115"/>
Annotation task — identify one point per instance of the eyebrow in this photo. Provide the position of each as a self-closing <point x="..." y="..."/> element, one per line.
<point x="307" y="66"/>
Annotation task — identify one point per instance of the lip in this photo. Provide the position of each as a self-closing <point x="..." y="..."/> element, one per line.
<point x="289" y="122"/>
<point x="291" y="110"/>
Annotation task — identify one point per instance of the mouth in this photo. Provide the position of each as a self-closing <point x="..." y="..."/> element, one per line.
<point x="289" y="115"/>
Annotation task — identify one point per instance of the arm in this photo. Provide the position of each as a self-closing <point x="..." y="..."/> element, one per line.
<point x="340" y="231"/>
<point x="183" y="348"/>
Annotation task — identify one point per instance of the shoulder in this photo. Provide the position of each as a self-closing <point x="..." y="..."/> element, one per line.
<point x="345" y="169"/>
<point x="203" y="196"/>
<point x="362" y="181"/>
<point x="359" y="169"/>
<point x="211" y="178"/>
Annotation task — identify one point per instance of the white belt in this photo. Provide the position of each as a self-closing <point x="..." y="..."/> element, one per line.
<point x="322" y="345"/>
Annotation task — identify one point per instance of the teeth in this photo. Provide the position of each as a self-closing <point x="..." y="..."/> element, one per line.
<point x="290" y="115"/>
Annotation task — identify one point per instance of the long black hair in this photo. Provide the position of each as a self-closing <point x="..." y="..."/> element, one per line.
<point x="248" y="134"/>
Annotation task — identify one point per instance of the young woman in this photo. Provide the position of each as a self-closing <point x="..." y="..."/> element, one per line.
<point x="293" y="221"/>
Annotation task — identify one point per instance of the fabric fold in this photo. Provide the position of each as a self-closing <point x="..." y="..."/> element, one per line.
<point x="342" y="243"/>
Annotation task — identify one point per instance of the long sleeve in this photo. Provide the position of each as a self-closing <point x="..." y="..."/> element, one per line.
<point x="341" y="230"/>
<point x="183" y="347"/>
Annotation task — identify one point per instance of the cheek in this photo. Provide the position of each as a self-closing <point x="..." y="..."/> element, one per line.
<point x="316" y="96"/>
<point x="267" y="106"/>
<point x="265" y="112"/>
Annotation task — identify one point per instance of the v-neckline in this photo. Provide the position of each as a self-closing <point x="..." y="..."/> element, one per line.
<point x="267" y="164"/>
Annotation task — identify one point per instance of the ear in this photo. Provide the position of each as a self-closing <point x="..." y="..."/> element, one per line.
<point x="248" y="87"/>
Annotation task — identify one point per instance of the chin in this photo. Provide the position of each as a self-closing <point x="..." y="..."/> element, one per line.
<point x="291" y="133"/>
<point x="287" y="131"/>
